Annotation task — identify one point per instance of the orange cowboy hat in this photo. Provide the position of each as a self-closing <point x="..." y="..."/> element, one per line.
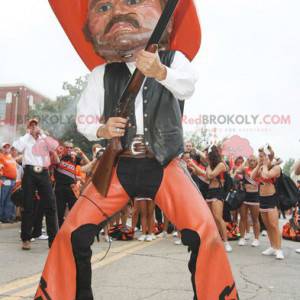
<point x="72" y="15"/>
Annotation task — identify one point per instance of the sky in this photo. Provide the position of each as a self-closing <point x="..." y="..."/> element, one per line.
<point x="248" y="65"/>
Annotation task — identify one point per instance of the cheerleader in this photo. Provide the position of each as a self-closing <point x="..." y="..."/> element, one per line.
<point x="267" y="174"/>
<point x="251" y="203"/>
<point x="215" y="195"/>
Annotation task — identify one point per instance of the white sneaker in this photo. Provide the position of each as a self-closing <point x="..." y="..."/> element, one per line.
<point x="247" y="236"/>
<point x="163" y="235"/>
<point x="255" y="243"/>
<point x="142" y="238"/>
<point x="264" y="233"/>
<point x="175" y="234"/>
<point x="279" y="254"/>
<point x="269" y="251"/>
<point x="148" y="238"/>
<point x="42" y="237"/>
<point x="178" y="242"/>
<point x="153" y="236"/>
<point x="32" y="240"/>
<point x="227" y="246"/>
<point x="242" y="242"/>
<point x="297" y="250"/>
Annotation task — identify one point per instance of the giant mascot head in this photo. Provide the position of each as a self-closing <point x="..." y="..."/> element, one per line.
<point x="114" y="30"/>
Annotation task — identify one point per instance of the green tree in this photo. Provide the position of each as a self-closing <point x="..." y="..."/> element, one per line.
<point x="201" y="138"/>
<point x="57" y="117"/>
<point x="287" y="167"/>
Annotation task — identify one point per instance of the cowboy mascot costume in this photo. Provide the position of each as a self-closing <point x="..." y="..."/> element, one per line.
<point x="110" y="37"/>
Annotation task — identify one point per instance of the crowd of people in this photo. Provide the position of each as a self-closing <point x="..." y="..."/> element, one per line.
<point x="41" y="178"/>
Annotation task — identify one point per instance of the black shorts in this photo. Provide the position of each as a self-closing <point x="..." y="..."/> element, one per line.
<point x="203" y="187"/>
<point x="140" y="177"/>
<point x="215" y="193"/>
<point x="268" y="202"/>
<point x="252" y="198"/>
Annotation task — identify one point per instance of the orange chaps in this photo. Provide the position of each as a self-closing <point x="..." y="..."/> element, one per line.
<point x="184" y="206"/>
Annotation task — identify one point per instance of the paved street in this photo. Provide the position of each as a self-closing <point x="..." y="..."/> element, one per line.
<point x="155" y="271"/>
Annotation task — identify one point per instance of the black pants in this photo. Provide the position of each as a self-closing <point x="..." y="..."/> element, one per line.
<point x="64" y="195"/>
<point x="38" y="219"/>
<point x="31" y="182"/>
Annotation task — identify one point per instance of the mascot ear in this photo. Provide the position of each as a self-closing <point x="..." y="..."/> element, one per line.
<point x="72" y="14"/>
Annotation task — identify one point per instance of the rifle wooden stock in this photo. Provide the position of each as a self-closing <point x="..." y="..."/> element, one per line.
<point x="101" y="176"/>
<point x="103" y="169"/>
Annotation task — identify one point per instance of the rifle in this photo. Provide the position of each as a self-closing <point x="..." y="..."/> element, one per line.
<point x="102" y="172"/>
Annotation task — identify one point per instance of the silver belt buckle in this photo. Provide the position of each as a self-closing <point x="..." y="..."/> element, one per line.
<point x="135" y="142"/>
<point x="37" y="169"/>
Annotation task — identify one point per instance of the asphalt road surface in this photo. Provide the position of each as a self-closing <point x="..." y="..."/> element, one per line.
<point x="150" y="270"/>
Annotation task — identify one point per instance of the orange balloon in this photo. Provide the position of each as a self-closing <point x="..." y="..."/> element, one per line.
<point x="72" y="14"/>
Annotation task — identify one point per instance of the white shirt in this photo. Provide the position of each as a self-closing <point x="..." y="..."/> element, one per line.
<point x="180" y="81"/>
<point x="35" y="151"/>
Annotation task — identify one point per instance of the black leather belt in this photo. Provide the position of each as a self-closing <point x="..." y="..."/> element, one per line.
<point x="36" y="169"/>
<point x="137" y="149"/>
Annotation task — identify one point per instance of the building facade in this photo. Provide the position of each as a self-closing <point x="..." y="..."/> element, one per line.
<point x="15" y="103"/>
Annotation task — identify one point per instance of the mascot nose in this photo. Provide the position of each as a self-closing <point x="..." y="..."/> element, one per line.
<point x="120" y="8"/>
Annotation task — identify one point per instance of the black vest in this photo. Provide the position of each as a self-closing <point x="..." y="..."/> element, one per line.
<point x="162" y="115"/>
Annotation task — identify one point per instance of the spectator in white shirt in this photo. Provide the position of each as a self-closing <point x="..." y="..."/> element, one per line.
<point x="36" y="148"/>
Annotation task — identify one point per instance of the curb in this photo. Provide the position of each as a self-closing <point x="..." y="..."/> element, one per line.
<point x="9" y="226"/>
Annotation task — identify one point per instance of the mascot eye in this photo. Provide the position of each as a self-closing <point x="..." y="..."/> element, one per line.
<point x="133" y="2"/>
<point x="104" y="7"/>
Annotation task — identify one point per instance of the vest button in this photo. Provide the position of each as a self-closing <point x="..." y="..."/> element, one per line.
<point x="145" y="101"/>
<point x="145" y="88"/>
<point x="146" y="129"/>
<point x="145" y="115"/>
<point x="147" y="143"/>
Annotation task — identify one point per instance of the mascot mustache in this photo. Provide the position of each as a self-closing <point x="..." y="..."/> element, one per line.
<point x="122" y="18"/>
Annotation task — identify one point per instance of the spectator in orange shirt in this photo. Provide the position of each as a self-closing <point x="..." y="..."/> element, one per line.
<point x="7" y="208"/>
<point x="66" y="178"/>
<point x="1" y="169"/>
<point x="1" y="174"/>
